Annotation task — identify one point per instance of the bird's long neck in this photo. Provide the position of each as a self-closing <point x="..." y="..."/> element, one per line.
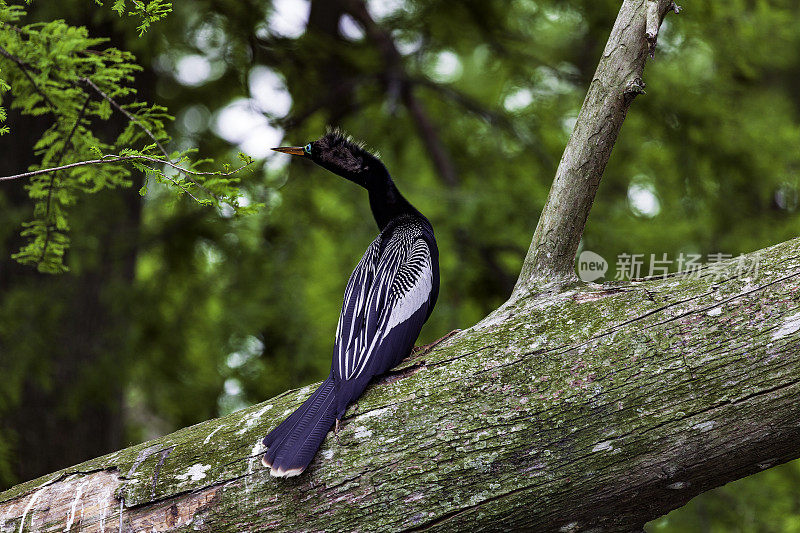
<point x="386" y="201"/>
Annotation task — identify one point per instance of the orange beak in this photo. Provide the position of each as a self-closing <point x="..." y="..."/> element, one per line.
<point x="293" y="150"/>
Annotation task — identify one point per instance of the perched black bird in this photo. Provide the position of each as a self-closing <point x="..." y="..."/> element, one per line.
<point x="389" y="297"/>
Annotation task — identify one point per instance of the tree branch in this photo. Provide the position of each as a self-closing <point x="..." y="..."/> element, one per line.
<point x="616" y="83"/>
<point x="430" y="138"/>
<point x="24" y="67"/>
<point x="120" y="158"/>
<point x="399" y="83"/>
<point x="668" y="387"/>
<point x="127" y="114"/>
<point x="654" y="18"/>
<point x="155" y="140"/>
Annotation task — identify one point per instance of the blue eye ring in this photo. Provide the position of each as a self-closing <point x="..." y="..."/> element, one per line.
<point x="307" y="148"/>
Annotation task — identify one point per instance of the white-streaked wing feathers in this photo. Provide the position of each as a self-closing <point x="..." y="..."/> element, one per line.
<point x="383" y="293"/>
<point x="355" y="295"/>
<point x="412" y="285"/>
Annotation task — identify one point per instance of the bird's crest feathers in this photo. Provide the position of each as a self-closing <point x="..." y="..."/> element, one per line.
<point x="335" y="136"/>
<point x="341" y="154"/>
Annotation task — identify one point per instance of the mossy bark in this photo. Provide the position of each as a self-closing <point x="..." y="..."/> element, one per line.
<point x="593" y="406"/>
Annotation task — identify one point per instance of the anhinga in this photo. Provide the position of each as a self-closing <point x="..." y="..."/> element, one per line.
<point x="389" y="297"/>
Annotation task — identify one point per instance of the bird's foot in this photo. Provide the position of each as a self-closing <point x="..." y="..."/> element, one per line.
<point x="420" y="350"/>
<point x="347" y="442"/>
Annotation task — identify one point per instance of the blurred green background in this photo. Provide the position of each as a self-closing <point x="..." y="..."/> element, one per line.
<point x="173" y="313"/>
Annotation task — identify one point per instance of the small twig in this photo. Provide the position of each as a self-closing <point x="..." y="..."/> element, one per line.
<point x="465" y="101"/>
<point x="494" y="117"/>
<point x="433" y="142"/>
<point x="125" y="112"/>
<point x="120" y="158"/>
<point x="13" y="27"/>
<point x="178" y="185"/>
<point x="24" y="67"/>
<point x="652" y="26"/>
<point x="150" y="134"/>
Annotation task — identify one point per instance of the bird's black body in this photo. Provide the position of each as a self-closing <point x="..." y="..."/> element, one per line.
<point x="388" y="298"/>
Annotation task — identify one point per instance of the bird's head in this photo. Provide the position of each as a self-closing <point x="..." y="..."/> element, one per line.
<point x="343" y="156"/>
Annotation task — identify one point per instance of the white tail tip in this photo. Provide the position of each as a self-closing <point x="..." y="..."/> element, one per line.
<point x="279" y="472"/>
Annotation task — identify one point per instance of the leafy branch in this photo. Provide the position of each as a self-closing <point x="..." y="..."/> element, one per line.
<point x="148" y="12"/>
<point x="115" y="158"/>
<point x="51" y="69"/>
<point x="160" y="146"/>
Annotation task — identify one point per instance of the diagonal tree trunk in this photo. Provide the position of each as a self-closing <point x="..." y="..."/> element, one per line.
<point x="616" y="83"/>
<point x="572" y="407"/>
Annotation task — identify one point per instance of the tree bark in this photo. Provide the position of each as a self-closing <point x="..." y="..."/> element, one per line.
<point x="616" y="83"/>
<point x="588" y="407"/>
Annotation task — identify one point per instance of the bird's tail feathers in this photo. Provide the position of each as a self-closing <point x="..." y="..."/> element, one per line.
<point x="293" y="444"/>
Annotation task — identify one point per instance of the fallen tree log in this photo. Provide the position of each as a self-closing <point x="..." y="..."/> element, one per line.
<point x="583" y="407"/>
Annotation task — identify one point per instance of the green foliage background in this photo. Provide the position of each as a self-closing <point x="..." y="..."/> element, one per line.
<point x="173" y="312"/>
